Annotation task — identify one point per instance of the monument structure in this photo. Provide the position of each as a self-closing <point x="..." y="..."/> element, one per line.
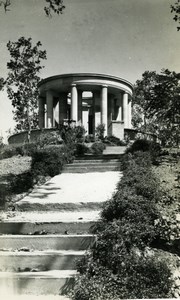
<point x="86" y="99"/>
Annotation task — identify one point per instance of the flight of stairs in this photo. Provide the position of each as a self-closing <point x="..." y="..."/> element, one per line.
<point x="40" y="246"/>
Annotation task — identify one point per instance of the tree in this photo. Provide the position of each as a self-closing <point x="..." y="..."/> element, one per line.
<point x="53" y="6"/>
<point x="176" y="9"/>
<point x="2" y="82"/>
<point x="24" y="67"/>
<point x="159" y="97"/>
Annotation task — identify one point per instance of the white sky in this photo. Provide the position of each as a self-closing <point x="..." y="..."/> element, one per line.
<point x="118" y="37"/>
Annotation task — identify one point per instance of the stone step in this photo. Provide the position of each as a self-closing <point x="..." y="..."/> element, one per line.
<point x="96" y="161"/>
<point x="107" y="156"/>
<point x="57" y="217"/>
<point x="37" y="261"/>
<point x="87" y="169"/>
<point x="38" y="283"/>
<point x="58" y="206"/>
<point x="94" y="164"/>
<point x="29" y="243"/>
<point x="34" y="228"/>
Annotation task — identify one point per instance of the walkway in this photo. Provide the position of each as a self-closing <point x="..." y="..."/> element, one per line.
<point x="49" y="229"/>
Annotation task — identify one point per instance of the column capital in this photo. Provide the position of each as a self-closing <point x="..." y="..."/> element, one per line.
<point x="104" y="86"/>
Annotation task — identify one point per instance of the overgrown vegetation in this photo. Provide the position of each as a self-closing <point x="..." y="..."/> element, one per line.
<point x="49" y="155"/>
<point x="118" y="266"/>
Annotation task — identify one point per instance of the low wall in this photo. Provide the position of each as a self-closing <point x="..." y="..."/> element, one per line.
<point x="22" y="137"/>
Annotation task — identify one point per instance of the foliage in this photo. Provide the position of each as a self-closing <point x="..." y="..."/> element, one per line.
<point x="157" y="97"/>
<point x="8" y="151"/>
<point x="24" y="67"/>
<point x="118" y="267"/>
<point x="176" y="9"/>
<point x="6" y="4"/>
<point x="50" y="161"/>
<point x="53" y="6"/>
<point x="89" y="138"/>
<point x="81" y="149"/>
<point x="100" y="131"/>
<point x="136" y="277"/>
<point x="3" y="194"/>
<point x="49" y="138"/>
<point x="114" y="141"/>
<point x="146" y="146"/>
<point x="2" y="83"/>
<point x="20" y="183"/>
<point x="97" y="148"/>
<point x="72" y="134"/>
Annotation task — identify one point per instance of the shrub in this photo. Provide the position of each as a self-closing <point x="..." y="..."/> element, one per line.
<point x="20" y="183"/>
<point x="7" y="152"/>
<point x="72" y="135"/>
<point x="89" y="138"/>
<point x="97" y="148"/>
<point x="100" y="131"/>
<point x="114" y="271"/>
<point x="113" y="140"/>
<point x="146" y="146"/>
<point x="81" y="149"/>
<point x="49" y="138"/>
<point x="118" y="266"/>
<point x="50" y="161"/>
<point x="29" y="149"/>
<point x="3" y="194"/>
<point x="139" y="145"/>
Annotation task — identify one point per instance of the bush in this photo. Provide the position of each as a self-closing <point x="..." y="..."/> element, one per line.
<point x="8" y="152"/>
<point x="89" y="138"/>
<point x="29" y="149"/>
<point x="139" y="145"/>
<point x="20" y="183"/>
<point x="72" y="135"/>
<point x="4" y="193"/>
<point x="50" y="161"/>
<point x="97" y="148"/>
<point x="114" y="141"/>
<point x="118" y="266"/>
<point x="146" y="146"/>
<point x="100" y="131"/>
<point x="81" y="149"/>
<point x="49" y="138"/>
<point x="115" y="271"/>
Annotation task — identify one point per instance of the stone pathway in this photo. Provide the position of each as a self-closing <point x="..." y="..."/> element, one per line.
<point x="49" y="229"/>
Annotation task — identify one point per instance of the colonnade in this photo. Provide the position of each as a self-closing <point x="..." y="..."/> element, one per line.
<point x="107" y="108"/>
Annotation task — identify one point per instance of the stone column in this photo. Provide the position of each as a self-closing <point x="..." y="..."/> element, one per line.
<point x="119" y="112"/>
<point x="80" y="108"/>
<point x="130" y="112"/>
<point x="94" y="112"/>
<point x="125" y="109"/>
<point x="62" y="107"/>
<point x="41" y="113"/>
<point x="104" y="107"/>
<point x="74" y="103"/>
<point x="49" y="102"/>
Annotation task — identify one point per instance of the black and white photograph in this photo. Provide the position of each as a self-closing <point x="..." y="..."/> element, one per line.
<point x="89" y="149"/>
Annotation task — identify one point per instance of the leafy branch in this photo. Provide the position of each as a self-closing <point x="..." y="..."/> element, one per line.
<point x="176" y="9"/>
<point x="6" y="4"/>
<point x="52" y="6"/>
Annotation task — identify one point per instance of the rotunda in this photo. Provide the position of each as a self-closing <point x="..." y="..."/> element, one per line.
<point x="86" y="99"/>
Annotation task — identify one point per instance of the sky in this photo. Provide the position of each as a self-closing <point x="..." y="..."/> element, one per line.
<point x="118" y="37"/>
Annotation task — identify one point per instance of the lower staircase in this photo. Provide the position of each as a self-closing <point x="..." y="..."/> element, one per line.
<point x="42" y="239"/>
